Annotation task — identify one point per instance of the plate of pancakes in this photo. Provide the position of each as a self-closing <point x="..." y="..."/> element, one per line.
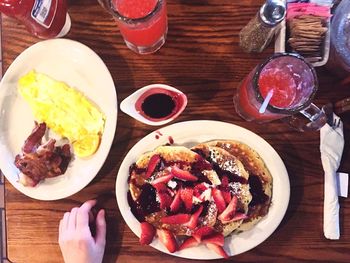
<point x="205" y="158"/>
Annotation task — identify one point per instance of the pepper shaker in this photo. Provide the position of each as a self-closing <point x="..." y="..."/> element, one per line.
<point x="257" y="34"/>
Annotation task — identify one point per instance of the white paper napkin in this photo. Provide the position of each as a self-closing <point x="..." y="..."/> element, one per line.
<point x="331" y="146"/>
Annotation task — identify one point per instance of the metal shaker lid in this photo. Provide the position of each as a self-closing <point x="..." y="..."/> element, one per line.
<point x="273" y="12"/>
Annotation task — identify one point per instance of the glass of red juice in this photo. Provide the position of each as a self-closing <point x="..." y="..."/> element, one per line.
<point x="290" y="81"/>
<point x="142" y="23"/>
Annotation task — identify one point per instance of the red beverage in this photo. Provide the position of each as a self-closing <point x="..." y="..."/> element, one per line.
<point x="281" y="84"/>
<point x="290" y="79"/>
<point x="143" y="23"/>
<point x="43" y="18"/>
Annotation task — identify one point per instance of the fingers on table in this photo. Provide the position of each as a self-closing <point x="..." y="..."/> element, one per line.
<point x="101" y="228"/>
<point x="72" y="221"/>
<point x="83" y="214"/>
<point x="64" y="222"/>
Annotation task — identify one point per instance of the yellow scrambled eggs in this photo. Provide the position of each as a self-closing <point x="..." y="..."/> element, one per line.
<point x="65" y="110"/>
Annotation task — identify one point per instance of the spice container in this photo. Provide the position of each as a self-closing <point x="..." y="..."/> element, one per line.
<point x="257" y="34"/>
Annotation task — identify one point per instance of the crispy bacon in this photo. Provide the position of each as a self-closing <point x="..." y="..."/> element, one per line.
<point x="38" y="162"/>
<point x="34" y="139"/>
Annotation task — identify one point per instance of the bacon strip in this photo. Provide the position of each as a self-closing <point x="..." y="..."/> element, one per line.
<point x="38" y="162"/>
<point x="34" y="138"/>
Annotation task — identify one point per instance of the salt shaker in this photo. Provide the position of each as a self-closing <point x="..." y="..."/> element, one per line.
<point x="257" y="34"/>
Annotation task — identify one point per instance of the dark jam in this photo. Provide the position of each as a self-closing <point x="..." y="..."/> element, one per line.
<point x="159" y="104"/>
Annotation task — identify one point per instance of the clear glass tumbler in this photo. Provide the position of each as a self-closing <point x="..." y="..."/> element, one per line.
<point x="142" y="23"/>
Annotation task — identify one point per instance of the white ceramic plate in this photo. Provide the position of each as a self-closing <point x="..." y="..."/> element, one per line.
<point x="81" y="68"/>
<point x="191" y="133"/>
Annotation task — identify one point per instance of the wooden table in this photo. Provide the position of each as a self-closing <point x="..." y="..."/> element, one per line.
<point x="202" y="58"/>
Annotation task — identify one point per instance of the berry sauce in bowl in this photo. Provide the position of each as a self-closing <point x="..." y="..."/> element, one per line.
<point x="155" y="104"/>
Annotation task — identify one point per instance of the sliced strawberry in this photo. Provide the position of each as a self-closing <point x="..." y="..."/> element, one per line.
<point x="147" y="233"/>
<point x="186" y="195"/>
<point x="164" y="200"/>
<point x="167" y="239"/>
<point x="236" y="217"/>
<point x="192" y="224"/>
<point x="189" y="242"/>
<point x="162" y="179"/>
<point x="176" y="203"/>
<point x="198" y="190"/>
<point x="224" y="182"/>
<point x="176" y="219"/>
<point x="217" y="239"/>
<point x="230" y="210"/>
<point x="152" y="165"/>
<point x="219" y="200"/>
<point x="217" y="249"/>
<point x="182" y="174"/>
<point x="227" y="196"/>
<point x="202" y="232"/>
<point x="161" y="188"/>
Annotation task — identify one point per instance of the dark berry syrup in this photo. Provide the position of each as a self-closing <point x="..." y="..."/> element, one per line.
<point x="159" y="104"/>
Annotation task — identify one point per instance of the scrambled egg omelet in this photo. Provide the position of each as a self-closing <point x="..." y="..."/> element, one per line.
<point x="64" y="110"/>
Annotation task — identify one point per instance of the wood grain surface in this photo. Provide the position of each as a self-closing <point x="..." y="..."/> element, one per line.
<point x="202" y="58"/>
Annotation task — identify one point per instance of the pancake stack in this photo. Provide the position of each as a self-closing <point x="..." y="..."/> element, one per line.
<point x="207" y="192"/>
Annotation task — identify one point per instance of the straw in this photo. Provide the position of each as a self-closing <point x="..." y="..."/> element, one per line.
<point x="266" y="102"/>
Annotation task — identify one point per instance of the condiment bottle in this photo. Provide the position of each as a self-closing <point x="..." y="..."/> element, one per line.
<point x="257" y="34"/>
<point x="339" y="56"/>
<point x="43" y="18"/>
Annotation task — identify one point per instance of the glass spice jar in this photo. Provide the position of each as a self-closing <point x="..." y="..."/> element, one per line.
<point x="257" y="34"/>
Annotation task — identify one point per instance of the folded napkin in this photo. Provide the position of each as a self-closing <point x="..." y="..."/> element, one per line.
<point x="331" y="146"/>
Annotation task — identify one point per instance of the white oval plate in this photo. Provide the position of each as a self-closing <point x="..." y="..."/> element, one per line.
<point x="194" y="132"/>
<point x="81" y="68"/>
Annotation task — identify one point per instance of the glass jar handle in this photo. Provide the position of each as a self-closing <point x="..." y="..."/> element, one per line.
<point x="317" y="118"/>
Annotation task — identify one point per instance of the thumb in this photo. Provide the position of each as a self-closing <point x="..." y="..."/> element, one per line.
<point x="100" y="228"/>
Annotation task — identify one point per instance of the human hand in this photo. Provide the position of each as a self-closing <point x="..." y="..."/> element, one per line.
<point x="75" y="239"/>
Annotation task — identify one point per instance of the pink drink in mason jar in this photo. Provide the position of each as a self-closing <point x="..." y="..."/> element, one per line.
<point x="291" y="83"/>
<point x="142" y="23"/>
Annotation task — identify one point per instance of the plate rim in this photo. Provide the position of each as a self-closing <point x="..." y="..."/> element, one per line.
<point x="112" y="118"/>
<point x="128" y="216"/>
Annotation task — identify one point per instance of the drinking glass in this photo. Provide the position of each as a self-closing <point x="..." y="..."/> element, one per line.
<point x="142" y="23"/>
<point x="291" y="83"/>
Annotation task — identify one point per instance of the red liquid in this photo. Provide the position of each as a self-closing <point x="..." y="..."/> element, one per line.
<point x="145" y="33"/>
<point x="47" y="22"/>
<point x="159" y="104"/>
<point x="248" y="106"/>
<point x="281" y="84"/>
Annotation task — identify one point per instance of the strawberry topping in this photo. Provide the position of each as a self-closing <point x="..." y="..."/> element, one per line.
<point x="176" y="219"/>
<point x="163" y="179"/>
<point x="186" y="195"/>
<point x="189" y="242"/>
<point x="228" y="214"/>
<point x="217" y="239"/>
<point x="164" y="200"/>
<point x="193" y="222"/>
<point x="176" y="203"/>
<point x="198" y="191"/>
<point x="202" y="232"/>
<point x="152" y="165"/>
<point x="182" y="174"/>
<point x="167" y="239"/>
<point x="219" y="200"/>
<point x="147" y="233"/>
<point x="217" y="249"/>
